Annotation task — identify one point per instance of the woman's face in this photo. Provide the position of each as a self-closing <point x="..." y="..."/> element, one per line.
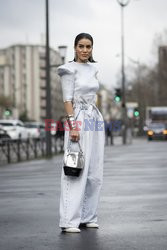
<point x="83" y="50"/>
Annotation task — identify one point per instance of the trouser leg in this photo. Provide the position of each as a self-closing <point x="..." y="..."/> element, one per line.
<point x="94" y="179"/>
<point x="72" y="191"/>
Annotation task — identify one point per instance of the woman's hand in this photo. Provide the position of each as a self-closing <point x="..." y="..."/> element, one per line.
<point x="74" y="135"/>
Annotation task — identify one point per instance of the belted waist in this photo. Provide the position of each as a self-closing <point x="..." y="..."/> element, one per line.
<point x="87" y="103"/>
<point x="83" y="106"/>
<point x="84" y="100"/>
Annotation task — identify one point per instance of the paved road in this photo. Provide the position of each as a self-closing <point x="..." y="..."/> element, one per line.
<point x="132" y="211"/>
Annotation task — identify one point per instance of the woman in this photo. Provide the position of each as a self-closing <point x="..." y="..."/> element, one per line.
<point x="80" y="195"/>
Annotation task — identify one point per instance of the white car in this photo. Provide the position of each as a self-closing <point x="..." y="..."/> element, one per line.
<point x="15" y="129"/>
<point x="35" y="129"/>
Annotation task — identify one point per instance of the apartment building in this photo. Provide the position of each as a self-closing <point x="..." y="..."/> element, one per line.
<point x="23" y="79"/>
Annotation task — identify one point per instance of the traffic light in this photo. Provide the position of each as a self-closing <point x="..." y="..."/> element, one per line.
<point x="118" y="95"/>
<point x="136" y="112"/>
<point x="7" y="112"/>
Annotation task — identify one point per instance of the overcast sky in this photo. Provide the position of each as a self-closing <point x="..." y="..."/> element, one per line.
<point x="23" y="21"/>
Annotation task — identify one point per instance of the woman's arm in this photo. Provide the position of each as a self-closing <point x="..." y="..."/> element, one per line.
<point x="68" y="108"/>
<point x="67" y="81"/>
<point x="74" y="134"/>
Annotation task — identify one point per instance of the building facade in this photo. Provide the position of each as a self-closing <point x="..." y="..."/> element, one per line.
<point x="23" y="79"/>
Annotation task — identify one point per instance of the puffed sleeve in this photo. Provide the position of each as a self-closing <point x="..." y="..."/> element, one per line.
<point x="67" y="81"/>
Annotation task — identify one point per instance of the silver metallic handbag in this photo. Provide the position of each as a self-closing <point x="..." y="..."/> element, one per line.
<point x="73" y="161"/>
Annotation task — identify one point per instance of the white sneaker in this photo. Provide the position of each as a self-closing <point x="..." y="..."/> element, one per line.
<point x="92" y="225"/>
<point x="71" y="230"/>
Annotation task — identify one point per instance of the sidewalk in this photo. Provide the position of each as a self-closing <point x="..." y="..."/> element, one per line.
<point x="132" y="208"/>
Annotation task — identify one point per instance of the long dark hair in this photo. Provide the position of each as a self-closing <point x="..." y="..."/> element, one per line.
<point x="78" y="38"/>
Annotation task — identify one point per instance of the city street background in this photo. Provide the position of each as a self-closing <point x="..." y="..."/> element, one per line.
<point x="130" y="47"/>
<point x="23" y="22"/>
<point x="132" y="208"/>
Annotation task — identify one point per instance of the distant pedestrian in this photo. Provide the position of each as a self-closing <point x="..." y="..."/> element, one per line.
<point x="109" y="124"/>
<point x="80" y="195"/>
<point x="60" y="130"/>
<point x="59" y="135"/>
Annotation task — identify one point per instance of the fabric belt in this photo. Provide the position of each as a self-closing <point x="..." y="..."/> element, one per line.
<point x="85" y="104"/>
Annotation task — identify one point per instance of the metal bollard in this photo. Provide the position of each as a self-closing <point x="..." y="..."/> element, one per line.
<point x="27" y="148"/>
<point x="8" y="151"/>
<point x="18" y="150"/>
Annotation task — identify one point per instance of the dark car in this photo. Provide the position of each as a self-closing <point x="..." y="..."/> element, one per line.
<point x="157" y="131"/>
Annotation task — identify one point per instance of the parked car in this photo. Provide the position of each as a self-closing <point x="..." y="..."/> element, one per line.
<point x="3" y="134"/>
<point x="157" y="131"/>
<point x="15" y="129"/>
<point x="35" y="129"/>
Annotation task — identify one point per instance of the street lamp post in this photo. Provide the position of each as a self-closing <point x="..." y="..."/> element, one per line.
<point x="62" y="52"/>
<point x="123" y="4"/>
<point x="48" y="90"/>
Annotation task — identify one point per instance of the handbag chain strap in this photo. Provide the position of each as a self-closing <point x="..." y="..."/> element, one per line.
<point x="69" y="145"/>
